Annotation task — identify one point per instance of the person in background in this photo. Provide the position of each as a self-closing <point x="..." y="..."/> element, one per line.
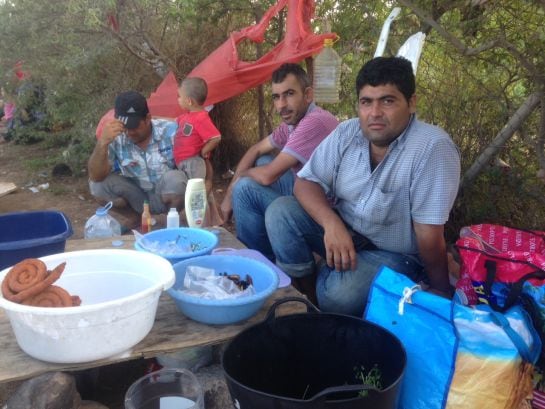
<point x="8" y="114"/>
<point x="197" y="135"/>
<point x="378" y="191"/>
<point x="143" y="149"/>
<point x="260" y="178"/>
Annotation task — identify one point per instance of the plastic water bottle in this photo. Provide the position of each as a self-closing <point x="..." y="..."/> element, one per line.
<point x="173" y="218"/>
<point x="101" y="224"/>
<point x="327" y="74"/>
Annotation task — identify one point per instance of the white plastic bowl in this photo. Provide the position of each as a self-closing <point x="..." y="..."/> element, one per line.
<point x="119" y="290"/>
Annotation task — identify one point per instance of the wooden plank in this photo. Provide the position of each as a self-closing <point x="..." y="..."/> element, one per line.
<point x="6" y="188"/>
<point x="171" y="331"/>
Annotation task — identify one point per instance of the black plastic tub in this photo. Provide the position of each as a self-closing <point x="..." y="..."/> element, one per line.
<point x="313" y="360"/>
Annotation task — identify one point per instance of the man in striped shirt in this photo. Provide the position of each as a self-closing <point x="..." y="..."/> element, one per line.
<point x="393" y="180"/>
<point x="261" y="178"/>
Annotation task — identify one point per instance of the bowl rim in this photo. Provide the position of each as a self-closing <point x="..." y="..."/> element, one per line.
<point x="162" y="285"/>
<point x="178" y="295"/>
<point x="183" y="256"/>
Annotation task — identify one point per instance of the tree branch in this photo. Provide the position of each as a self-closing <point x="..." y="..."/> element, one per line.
<point x="505" y="134"/>
<point x="457" y="43"/>
<point x="540" y="146"/>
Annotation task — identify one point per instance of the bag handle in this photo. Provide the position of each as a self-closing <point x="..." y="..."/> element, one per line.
<point x="322" y="395"/>
<point x="271" y="314"/>
<point x="516" y="287"/>
<point x="518" y="342"/>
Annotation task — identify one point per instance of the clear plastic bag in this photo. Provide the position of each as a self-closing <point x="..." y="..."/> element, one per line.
<point x="209" y="284"/>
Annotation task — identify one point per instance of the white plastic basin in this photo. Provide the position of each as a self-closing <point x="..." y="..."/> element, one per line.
<point x="119" y="291"/>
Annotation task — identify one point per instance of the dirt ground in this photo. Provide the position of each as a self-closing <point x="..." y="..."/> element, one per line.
<point x="69" y="194"/>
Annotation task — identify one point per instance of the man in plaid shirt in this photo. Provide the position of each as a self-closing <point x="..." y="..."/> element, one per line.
<point x="141" y="148"/>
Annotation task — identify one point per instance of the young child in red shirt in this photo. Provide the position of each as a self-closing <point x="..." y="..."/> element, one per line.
<point x="197" y="136"/>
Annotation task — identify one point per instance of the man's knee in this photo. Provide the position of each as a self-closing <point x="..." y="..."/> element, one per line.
<point x="281" y="209"/>
<point x="343" y="292"/>
<point x="243" y="187"/>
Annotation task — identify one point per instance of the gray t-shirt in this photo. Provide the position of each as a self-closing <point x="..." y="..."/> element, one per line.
<point x="416" y="181"/>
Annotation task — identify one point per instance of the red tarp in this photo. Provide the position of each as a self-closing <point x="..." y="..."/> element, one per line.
<point x="228" y="76"/>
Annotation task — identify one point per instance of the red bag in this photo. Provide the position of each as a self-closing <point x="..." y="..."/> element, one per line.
<point x="492" y="254"/>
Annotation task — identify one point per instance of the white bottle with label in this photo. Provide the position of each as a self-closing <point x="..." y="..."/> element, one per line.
<point x="173" y="218"/>
<point x="195" y="202"/>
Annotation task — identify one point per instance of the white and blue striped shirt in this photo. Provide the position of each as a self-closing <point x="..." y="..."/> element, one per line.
<point x="416" y="181"/>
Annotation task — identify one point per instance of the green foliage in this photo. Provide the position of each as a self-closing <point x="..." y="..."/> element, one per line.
<point x="83" y="60"/>
<point x="373" y="378"/>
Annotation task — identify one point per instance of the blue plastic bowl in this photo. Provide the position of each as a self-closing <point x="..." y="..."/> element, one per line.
<point x="204" y="240"/>
<point x="227" y="311"/>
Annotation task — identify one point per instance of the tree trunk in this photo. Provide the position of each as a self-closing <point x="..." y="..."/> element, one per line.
<point x="541" y="135"/>
<point x="505" y="134"/>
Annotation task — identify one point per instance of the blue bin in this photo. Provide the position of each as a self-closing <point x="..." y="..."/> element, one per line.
<point x="31" y="235"/>
<point x="225" y="311"/>
<point x="206" y="241"/>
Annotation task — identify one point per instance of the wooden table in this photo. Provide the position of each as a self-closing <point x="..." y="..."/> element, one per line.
<point x="171" y="331"/>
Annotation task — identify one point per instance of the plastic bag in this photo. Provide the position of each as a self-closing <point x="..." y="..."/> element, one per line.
<point x="207" y="283"/>
<point x="499" y="260"/>
<point x="457" y="356"/>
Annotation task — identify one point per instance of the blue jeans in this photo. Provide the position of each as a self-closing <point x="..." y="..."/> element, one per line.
<point x="250" y="201"/>
<point x="295" y="236"/>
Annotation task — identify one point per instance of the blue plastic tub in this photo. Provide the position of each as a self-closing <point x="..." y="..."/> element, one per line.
<point x="227" y="311"/>
<point x="185" y="242"/>
<point x="32" y="234"/>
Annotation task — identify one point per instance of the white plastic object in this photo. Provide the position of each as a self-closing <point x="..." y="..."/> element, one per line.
<point x="327" y="74"/>
<point x="189" y="358"/>
<point x="173" y="218"/>
<point x="412" y="49"/>
<point x="383" y="39"/>
<point x="195" y="202"/>
<point x="101" y="224"/>
<point x="119" y="291"/>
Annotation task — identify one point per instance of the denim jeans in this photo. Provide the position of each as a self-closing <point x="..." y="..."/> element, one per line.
<point x="250" y="201"/>
<point x="295" y="236"/>
<point x="115" y="186"/>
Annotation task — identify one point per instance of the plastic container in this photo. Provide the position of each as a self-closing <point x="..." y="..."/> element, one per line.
<point x="119" y="291"/>
<point x="166" y="389"/>
<point x="195" y="202"/>
<point x="173" y="218"/>
<point x="327" y="74"/>
<point x="313" y="360"/>
<point x="31" y="235"/>
<point x="226" y="311"/>
<point x="189" y="358"/>
<point x="192" y="243"/>
<point x="101" y="224"/>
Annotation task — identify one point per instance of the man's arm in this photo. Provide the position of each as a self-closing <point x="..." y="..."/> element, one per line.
<point x="340" y="251"/>
<point x="209" y="146"/>
<point x="432" y="249"/>
<point x="98" y="165"/>
<point x="246" y="168"/>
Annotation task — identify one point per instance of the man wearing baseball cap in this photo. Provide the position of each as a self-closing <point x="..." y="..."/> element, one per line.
<point x="142" y="149"/>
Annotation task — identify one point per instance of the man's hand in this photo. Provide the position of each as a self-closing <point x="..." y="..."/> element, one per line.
<point x="110" y="131"/>
<point x="340" y="251"/>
